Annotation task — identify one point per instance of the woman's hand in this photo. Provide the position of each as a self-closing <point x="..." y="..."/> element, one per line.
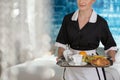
<point x="113" y="59"/>
<point x="60" y="53"/>
<point x="111" y="54"/>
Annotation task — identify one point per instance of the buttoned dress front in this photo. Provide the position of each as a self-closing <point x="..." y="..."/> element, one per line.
<point x="88" y="38"/>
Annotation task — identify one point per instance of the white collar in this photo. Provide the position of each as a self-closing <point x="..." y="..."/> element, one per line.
<point x="93" y="17"/>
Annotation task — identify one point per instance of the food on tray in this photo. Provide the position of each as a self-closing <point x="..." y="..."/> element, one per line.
<point x="98" y="60"/>
<point x="84" y="54"/>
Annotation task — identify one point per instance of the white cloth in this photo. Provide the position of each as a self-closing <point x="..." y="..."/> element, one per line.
<point x="89" y="52"/>
<point x="82" y="73"/>
<point x="112" y="74"/>
<point x="75" y="73"/>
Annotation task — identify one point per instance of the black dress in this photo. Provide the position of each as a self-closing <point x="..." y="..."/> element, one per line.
<point x="86" y="38"/>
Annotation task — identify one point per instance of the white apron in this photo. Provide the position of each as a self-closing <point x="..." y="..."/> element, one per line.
<point x="84" y="73"/>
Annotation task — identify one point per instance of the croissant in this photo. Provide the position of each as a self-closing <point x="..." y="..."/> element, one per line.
<point x="100" y="62"/>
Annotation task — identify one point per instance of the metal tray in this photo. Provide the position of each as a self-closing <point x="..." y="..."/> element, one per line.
<point x="63" y="63"/>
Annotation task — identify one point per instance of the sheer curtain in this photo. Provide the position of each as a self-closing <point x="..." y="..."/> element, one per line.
<point x="24" y="30"/>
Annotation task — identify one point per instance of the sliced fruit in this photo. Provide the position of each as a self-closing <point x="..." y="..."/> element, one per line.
<point x="83" y="53"/>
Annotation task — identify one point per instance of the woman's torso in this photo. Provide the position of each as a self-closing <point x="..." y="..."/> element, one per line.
<point x="87" y="38"/>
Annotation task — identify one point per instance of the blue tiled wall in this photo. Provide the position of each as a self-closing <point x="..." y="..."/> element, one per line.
<point x="109" y="9"/>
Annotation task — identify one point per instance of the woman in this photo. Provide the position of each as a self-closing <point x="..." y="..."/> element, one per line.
<point x="83" y="30"/>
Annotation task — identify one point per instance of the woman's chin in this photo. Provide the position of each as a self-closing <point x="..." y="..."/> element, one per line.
<point x="82" y="8"/>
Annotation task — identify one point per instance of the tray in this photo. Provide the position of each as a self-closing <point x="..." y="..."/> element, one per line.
<point x="63" y="63"/>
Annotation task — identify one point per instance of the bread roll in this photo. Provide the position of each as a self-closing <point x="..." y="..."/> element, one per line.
<point x="100" y="62"/>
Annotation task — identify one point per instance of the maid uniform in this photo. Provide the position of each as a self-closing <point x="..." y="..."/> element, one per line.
<point x="88" y="38"/>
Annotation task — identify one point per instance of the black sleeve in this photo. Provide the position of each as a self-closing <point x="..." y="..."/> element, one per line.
<point x="107" y="38"/>
<point x="62" y="35"/>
